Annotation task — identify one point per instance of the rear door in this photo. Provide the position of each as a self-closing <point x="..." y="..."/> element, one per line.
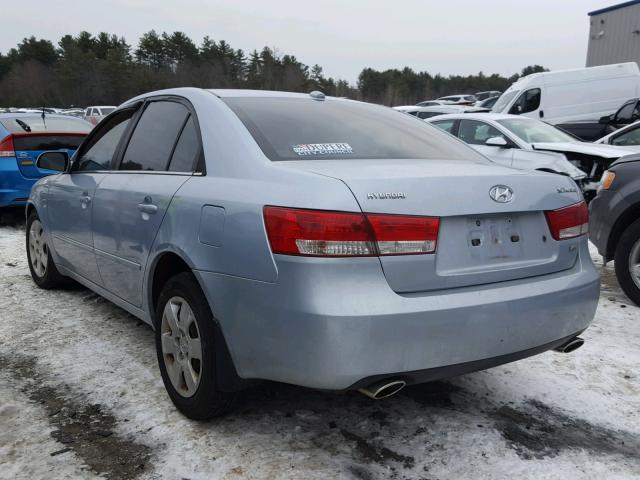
<point x="70" y="198"/>
<point x="130" y="204"/>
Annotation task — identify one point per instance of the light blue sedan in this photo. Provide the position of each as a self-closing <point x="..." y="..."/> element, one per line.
<point x="310" y="240"/>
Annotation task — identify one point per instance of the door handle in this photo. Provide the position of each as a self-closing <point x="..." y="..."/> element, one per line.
<point x="147" y="207"/>
<point x="85" y="199"/>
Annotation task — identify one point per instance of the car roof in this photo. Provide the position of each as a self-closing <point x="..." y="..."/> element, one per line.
<point x="479" y="116"/>
<point x="412" y="108"/>
<point x="102" y="106"/>
<point x="33" y="114"/>
<point x="231" y="92"/>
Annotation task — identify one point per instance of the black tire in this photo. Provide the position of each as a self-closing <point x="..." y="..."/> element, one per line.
<point x="207" y="401"/>
<point x="630" y="237"/>
<point x="51" y="277"/>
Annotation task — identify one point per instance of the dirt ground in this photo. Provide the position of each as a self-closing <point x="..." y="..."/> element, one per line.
<point x="81" y="397"/>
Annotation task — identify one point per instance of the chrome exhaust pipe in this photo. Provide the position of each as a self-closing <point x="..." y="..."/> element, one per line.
<point x="383" y="389"/>
<point x="568" y="347"/>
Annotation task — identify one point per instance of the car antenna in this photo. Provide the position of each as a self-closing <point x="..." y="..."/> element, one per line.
<point x="43" y="120"/>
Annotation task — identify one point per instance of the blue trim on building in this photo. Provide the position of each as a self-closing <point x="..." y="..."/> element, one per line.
<point x="613" y="7"/>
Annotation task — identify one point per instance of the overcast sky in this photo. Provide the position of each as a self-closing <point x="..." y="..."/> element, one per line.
<point x="343" y="36"/>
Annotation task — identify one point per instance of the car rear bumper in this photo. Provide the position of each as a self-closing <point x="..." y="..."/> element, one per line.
<point x="14" y="188"/>
<point x="334" y="323"/>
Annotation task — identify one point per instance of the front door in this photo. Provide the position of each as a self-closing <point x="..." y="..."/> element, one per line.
<point x="70" y="199"/>
<point x="131" y="203"/>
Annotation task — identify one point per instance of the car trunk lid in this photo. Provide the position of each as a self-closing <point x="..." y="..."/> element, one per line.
<point x="480" y="240"/>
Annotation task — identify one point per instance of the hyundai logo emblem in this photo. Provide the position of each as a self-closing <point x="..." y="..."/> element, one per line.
<point x="501" y="194"/>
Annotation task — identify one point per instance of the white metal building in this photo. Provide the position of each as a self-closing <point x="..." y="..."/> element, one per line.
<point x="614" y="34"/>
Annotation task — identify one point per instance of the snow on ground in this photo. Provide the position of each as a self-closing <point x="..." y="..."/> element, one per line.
<point x="78" y="378"/>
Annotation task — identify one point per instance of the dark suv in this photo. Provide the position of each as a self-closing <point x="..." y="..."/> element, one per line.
<point x="614" y="223"/>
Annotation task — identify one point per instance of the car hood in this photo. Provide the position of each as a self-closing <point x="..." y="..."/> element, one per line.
<point x="599" y="150"/>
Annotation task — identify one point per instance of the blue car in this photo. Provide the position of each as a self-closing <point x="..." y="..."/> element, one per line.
<point x="23" y="137"/>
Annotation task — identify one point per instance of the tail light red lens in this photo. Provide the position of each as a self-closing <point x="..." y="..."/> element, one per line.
<point x="294" y="231"/>
<point x="6" y="147"/>
<point x="568" y="222"/>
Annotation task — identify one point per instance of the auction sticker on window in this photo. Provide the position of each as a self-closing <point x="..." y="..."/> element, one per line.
<point x="308" y="149"/>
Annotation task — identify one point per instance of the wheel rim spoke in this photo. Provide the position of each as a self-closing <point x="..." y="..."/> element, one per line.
<point x="191" y="379"/>
<point x="169" y="344"/>
<point x="174" y="370"/>
<point x="195" y="348"/>
<point x="170" y="313"/>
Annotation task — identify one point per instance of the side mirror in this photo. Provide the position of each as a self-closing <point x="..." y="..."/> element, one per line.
<point x="56" y="161"/>
<point x="496" y="142"/>
<point x="606" y="120"/>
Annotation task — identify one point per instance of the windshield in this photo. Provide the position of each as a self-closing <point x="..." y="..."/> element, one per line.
<point x="306" y="129"/>
<point x="535" y="131"/>
<point x="504" y="100"/>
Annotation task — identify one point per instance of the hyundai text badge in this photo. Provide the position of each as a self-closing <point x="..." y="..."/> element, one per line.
<point x="501" y="194"/>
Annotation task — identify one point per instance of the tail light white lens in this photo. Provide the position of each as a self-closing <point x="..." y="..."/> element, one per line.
<point x="6" y="147"/>
<point x="294" y="231"/>
<point x="568" y="222"/>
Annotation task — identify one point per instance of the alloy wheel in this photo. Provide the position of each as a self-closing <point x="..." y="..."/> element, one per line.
<point x="181" y="346"/>
<point x="634" y="263"/>
<point x="38" y="253"/>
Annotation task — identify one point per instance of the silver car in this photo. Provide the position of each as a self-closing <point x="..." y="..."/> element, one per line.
<point x="316" y="241"/>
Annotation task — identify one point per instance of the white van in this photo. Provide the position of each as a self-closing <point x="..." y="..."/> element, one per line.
<point x="572" y="95"/>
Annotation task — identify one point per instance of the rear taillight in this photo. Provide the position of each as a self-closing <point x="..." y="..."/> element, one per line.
<point x="6" y="147"/>
<point x="293" y="231"/>
<point x="568" y="222"/>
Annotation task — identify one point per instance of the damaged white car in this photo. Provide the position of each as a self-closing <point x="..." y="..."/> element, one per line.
<point x="530" y="144"/>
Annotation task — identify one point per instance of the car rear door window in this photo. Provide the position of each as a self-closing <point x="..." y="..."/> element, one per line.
<point x="99" y="151"/>
<point x="187" y="148"/>
<point x="475" y="132"/>
<point x="154" y="137"/>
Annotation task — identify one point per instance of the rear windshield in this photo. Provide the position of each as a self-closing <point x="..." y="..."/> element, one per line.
<point x="35" y="124"/>
<point x="305" y="129"/>
<point x="47" y="142"/>
<point x="107" y="110"/>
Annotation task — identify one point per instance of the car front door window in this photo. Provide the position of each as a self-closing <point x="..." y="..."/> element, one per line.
<point x="475" y="132"/>
<point x="529" y="101"/>
<point x="98" y="153"/>
<point x="625" y="114"/>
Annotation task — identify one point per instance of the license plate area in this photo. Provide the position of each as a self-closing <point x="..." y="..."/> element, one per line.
<point x="494" y="237"/>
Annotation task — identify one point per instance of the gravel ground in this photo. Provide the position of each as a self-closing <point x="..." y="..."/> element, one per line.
<point x="81" y="397"/>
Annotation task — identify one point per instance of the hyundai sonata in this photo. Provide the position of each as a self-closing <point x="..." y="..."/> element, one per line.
<point x="310" y="240"/>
